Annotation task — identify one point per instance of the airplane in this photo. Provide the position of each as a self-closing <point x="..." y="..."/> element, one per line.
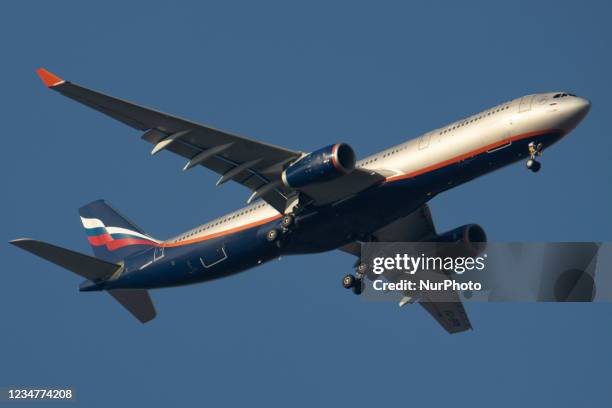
<point x="301" y="203"/>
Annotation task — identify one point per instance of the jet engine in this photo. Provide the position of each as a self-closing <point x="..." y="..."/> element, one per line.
<point x="320" y="166"/>
<point x="471" y="239"/>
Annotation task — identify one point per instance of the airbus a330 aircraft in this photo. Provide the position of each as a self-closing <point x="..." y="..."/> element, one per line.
<point x="301" y="202"/>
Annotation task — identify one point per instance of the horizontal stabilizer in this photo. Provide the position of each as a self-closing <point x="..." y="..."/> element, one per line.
<point x="81" y="264"/>
<point x="137" y="302"/>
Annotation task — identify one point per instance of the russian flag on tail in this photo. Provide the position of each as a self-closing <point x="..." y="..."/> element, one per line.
<point x="112" y="236"/>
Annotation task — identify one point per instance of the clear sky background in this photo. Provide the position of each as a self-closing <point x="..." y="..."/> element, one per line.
<point x="301" y="75"/>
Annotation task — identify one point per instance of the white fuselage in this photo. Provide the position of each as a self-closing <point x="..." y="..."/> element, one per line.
<point x="486" y="131"/>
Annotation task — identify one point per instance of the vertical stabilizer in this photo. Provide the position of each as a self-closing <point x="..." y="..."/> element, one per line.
<point x="112" y="236"/>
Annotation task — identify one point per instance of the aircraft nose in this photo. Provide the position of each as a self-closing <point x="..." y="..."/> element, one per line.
<point x="576" y="109"/>
<point x="582" y="106"/>
<point x="579" y="108"/>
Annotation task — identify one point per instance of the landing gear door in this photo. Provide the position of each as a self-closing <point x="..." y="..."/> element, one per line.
<point x="525" y="103"/>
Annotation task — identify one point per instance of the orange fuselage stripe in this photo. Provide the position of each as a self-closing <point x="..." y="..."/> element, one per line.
<point x="471" y="154"/>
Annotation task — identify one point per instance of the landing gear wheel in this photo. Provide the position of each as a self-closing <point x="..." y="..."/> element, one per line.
<point x="287" y="220"/>
<point x="272" y="235"/>
<point x="348" y="281"/>
<point x="361" y="269"/>
<point x="534" y="165"/>
<point x="354" y="283"/>
<point x="530" y="163"/>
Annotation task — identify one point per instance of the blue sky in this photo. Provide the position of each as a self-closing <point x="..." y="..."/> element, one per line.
<point x="301" y="75"/>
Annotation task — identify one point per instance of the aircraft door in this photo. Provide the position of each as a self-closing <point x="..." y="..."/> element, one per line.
<point x="158" y="253"/>
<point x="213" y="256"/>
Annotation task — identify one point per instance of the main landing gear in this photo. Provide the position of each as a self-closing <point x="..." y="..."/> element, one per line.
<point x="355" y="282"/>
<point x="272" y="235"/>
<point x="287" y="221"/>
<point x="286" y="224"/>
<point x="534" y="151"/>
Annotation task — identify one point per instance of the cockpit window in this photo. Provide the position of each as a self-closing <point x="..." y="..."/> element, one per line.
<point x="563" y="95"/>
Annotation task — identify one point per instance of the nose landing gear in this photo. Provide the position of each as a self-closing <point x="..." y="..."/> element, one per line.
<point x="534" y="151"/>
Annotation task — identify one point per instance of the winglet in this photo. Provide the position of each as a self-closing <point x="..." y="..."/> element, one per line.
<point x="50" y="80"/>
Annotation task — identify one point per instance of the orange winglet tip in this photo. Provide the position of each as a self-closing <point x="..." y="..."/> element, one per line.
<point x="49" y="79"/>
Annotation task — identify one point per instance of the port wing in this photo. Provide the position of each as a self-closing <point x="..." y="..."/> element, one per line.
<point x="252" y="163"/>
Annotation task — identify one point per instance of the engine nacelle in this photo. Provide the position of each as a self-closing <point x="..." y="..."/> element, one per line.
<point x="319" y="166"/>
<point x="471" y="239"/>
